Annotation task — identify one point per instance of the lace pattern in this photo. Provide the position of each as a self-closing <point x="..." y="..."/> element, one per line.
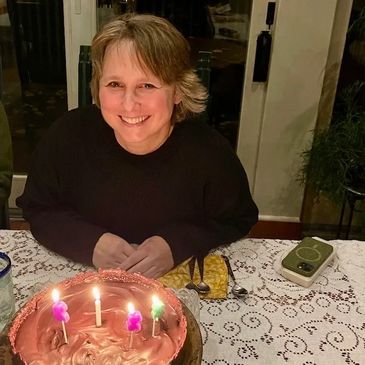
<point x="277" y="323"/>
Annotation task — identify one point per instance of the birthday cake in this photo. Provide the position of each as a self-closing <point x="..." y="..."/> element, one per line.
<point x="40" y="336"/>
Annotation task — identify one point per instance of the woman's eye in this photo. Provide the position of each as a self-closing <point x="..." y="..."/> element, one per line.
<point x="114" y="84"/>
<point x="148" y="86"/>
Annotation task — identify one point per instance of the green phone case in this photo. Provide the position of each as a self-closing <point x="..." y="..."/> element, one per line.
<point x="307" y="257"/>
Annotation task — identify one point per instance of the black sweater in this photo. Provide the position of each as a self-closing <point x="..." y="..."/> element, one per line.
<point x="192" y="191"/>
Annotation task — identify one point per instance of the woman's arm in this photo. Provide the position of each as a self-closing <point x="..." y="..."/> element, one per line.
<point x="45" y="201"/>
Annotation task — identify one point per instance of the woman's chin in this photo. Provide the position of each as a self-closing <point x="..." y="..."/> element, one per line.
<point x="134" y="144"/>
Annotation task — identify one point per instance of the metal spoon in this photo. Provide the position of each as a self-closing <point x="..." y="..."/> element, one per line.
<point x="191" y="285"/>
<point x="203" y="287"/>
<point x="237" y="290"/>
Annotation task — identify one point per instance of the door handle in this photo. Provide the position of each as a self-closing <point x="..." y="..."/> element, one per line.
<point x="263" y="47"/>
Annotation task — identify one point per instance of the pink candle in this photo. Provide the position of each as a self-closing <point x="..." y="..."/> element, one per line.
<point x="134" y="320"/>
<point x="59" y="310"/>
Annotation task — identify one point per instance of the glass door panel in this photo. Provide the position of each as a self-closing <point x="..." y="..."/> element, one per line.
<point x="33" y="75"/>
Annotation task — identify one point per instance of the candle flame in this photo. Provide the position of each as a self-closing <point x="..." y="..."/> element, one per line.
<point x="130" y="308"/>
<point x="156" y="300"/>
<point x="55" y="295"/>
<point x="96" y="293"/>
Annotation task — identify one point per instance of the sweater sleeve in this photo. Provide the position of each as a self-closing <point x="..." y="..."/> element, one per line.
<point x="229" y="210"/>
<point x="53" y="222"/>
<point x="6" y="157"/>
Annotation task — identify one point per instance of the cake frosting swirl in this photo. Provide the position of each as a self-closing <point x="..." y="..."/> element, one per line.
<point x="38" y="338"/>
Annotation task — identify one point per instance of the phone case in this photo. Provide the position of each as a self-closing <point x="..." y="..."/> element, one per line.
<point x="306" y="261"/>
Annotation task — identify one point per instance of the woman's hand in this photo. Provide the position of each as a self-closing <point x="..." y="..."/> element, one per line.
<point x="152" y="258"/>
<point x="110" y="251"/>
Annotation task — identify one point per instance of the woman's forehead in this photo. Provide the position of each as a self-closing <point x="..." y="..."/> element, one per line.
<point x="122" y="49"/>
<point x="126" y="48"/>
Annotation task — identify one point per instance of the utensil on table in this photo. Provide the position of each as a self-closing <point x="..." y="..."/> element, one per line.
<point x="190" y="284"/>
<point x="237" y="290"/>
<point x="203" y="287"/>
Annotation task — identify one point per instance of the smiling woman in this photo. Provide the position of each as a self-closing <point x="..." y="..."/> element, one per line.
<point x="135" y="181"/>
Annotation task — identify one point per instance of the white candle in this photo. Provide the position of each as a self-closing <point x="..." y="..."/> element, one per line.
<point x="97" y="306"/>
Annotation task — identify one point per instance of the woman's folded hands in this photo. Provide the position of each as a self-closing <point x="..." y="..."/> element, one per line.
<point x="152" y="258"/>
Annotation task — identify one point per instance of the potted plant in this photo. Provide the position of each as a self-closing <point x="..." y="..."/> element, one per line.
<point x="336" y="159"/>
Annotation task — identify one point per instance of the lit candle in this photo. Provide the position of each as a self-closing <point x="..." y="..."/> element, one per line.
<point x="59" y="310"/>
<point x="97" y="306"/>
<point x="157" y="310"/>
<point x="133" y="322"/>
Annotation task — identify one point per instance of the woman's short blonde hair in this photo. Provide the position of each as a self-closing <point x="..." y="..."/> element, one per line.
<point x="161" y="48"/>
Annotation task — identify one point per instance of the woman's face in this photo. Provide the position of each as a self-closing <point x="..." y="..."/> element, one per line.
<point x="134" y="102"/>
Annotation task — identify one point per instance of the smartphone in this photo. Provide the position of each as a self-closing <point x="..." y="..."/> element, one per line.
<point x="306" y="261"/>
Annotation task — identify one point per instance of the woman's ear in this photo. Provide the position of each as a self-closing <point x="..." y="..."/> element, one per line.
<point x="177" y="97"/>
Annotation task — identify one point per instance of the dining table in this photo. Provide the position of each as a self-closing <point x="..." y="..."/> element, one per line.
<point x="277" y="322"/>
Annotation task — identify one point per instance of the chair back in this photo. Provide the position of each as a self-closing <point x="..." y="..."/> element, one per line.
<point x="84" y="76"/>
<point x="203" y="68"/>
<point x="203" y="71"/>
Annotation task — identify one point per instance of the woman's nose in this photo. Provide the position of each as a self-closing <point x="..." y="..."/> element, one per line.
<point x="130" y="100"/>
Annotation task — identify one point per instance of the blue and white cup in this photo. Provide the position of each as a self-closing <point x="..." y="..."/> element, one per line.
<point x="7" y="299"/>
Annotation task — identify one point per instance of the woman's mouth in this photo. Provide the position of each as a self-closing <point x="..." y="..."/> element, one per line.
<point x="133" y="120"/>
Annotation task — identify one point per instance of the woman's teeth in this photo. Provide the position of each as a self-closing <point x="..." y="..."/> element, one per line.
<point x="134" y="120"/>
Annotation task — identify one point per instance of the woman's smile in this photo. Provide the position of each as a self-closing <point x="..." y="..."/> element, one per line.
<point x="133" y="120"/>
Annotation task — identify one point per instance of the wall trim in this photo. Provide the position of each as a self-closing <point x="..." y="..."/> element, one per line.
<point x="278" y="218"/>
<point x="277" y="230"/>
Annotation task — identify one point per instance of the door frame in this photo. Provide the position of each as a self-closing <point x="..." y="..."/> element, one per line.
<point x="80" y="27"/>
<point x="278" y="117"/>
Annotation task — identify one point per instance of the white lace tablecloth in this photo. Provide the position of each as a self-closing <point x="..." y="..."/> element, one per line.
<point x="278" y="323"/>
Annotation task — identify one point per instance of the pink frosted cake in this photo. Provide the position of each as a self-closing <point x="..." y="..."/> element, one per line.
<point x="37" y="337"/>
